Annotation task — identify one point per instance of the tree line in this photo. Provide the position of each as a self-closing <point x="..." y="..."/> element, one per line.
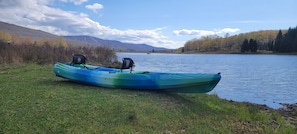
<point x="18" y="50"/>
<point x="283" y="43"/>
<point x="286" y="42"/>
<point x="265" y="40"/>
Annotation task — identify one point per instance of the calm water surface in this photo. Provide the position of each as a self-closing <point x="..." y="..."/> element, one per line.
<point x="261" y="79"/>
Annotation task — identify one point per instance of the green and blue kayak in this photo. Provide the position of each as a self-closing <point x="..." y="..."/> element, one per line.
<point x="138" y="80"/>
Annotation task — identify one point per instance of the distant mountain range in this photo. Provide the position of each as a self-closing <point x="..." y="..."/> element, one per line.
<point x="113" y="44"/>
<point x="78" y="40"/>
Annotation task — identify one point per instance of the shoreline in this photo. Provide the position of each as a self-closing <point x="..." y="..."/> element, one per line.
<point x="288" y="111"/>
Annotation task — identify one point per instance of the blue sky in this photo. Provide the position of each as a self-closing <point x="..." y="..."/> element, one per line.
<point x="161" y="23"/>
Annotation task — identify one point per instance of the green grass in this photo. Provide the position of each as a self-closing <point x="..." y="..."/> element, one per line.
<point x="34" y="100"/>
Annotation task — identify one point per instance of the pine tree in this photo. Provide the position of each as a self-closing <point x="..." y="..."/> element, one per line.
<point x="253" y="45"/>
<point x="245" y="46"/>
<point x="295" y="41"/>
<point x="289" y="40"/>
<point x="278" y="41"/>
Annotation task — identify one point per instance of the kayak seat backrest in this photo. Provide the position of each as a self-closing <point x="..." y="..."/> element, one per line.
<point x="78" y="59"/>
<point x="127" y="64"/>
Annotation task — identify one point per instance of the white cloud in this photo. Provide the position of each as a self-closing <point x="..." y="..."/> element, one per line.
<point x="228" y="30"/>
<point x="94" y="7"/>
<point x="76" y="2"/>
<point x="205" y="32"/>
<point x="193" y="32"/>
<point x="152" y="37"/>
<point x="37" y="15"/>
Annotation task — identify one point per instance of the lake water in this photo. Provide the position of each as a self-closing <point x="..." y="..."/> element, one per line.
<point x="261" y="79"/>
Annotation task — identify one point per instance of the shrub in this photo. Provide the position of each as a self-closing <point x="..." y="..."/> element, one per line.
<point x="11" y="53"/>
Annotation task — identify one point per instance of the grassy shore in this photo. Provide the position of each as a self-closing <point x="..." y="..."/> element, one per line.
<point x="34" y="100"/>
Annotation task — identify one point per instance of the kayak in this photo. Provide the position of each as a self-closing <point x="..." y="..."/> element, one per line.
<point x="137" y="80"/>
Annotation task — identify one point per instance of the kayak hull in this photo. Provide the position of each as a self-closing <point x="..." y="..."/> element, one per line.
<point x="138" y="80"/>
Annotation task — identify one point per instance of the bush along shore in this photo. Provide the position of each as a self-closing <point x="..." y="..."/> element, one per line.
<point x="34" y="100"/>
<point x="48" y="51"/>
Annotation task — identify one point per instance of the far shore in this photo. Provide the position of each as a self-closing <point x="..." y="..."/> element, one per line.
<point x="216" y="52"/>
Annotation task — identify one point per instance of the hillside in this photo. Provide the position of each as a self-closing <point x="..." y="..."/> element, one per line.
<point x="113" y="44"/>
<point x="230" y="43"/>
<point x="76" y="40"/>
<point x="24" y="32"/>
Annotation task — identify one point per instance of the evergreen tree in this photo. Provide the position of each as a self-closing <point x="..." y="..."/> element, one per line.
<point x="289" y="40"/>
<point x="278" y="41"/>
<point x="295" y="41"/>
<point x="286" y="42"/>
<point x="245" y="46"/>
<point x="253" y="45"/>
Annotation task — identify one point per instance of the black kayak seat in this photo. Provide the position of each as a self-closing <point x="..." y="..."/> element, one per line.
<point x="128" y="63"/>
<point x="78" y="59"/>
